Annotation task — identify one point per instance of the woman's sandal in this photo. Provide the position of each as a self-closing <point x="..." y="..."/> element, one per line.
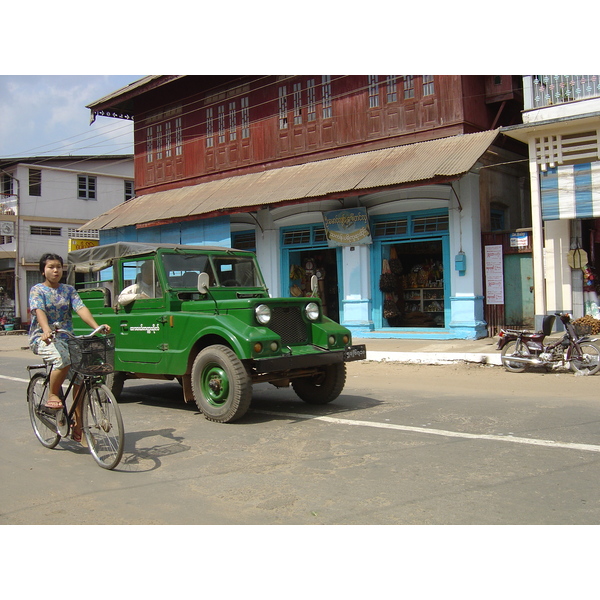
<point x="54" y="403"/>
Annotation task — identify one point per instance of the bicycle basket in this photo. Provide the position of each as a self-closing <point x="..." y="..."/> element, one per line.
<point x="92" y="355"/>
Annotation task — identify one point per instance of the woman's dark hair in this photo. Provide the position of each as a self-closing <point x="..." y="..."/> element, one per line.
<point x="49" y="256"/>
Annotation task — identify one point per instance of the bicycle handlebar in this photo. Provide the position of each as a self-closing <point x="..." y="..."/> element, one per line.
<point x="98" y="329"/>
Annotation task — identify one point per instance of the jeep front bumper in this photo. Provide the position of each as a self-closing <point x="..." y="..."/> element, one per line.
<point x="290" y="362"/>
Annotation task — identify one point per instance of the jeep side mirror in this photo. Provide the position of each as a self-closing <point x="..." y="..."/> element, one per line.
<point x="314" y="285"/>
<point x="203" y="282"/>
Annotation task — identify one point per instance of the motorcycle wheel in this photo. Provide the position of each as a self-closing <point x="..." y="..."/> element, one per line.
<point x="589" y="363"/>
<point x="511" y="350"/>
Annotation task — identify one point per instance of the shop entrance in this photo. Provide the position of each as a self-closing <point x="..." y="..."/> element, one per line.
<point x="590" y="229"/>
<point x="412" y="284"/>
<point x="322" y="263"/>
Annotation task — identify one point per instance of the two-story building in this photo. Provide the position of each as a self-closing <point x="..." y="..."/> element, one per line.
<point x="561" y="125"/>
<point x="44" y="200"/>
<point x="345" y="177"/>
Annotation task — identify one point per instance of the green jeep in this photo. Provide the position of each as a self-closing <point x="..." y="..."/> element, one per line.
<point x="203" y="316"/>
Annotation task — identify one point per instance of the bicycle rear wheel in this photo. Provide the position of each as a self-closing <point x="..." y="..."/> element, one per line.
<point x="43" y="420"/>
<point x="103" y="426"/>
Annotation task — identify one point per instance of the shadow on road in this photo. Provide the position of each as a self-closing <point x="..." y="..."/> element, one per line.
<point x="139" y="458"/>
<point x="265" y="397"/>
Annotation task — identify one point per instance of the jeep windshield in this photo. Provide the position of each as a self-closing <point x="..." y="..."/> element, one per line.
<point x="182" y="270"/>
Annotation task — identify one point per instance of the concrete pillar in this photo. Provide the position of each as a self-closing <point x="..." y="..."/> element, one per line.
<point x="466" y="301"/>
<point x="356" y="284"/>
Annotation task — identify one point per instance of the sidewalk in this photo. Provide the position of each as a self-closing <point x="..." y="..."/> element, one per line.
<point x="432" y="352"/>
<point x="378" y="349"/>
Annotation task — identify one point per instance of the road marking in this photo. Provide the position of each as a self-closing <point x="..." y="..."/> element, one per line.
<point x="440" y="432"/>
<point x="19" y="379"/>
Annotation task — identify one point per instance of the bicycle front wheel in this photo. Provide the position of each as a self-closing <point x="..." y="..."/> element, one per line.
<point x="103" y="426"/>
<point x="588" y="362"/>
<point x="43" y="420"/>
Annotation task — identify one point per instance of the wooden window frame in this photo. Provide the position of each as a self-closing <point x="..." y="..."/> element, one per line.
<point x="428" y="85"/>
<point x="408" y="86"/>
<point x="282" y="107"/>
<point x="298" y="103"/>
<point x="86" y="187"/>
<point x="391" y="88"/>
<point x="149" y="144"/>
<point x="245" y="106"/>
<point x="178" y="137"/>
<point x="311" y="100"/>
<point x="373" y="91"/>
<point x="326" y="107"/>
<point x="168" y="140"/>
<point x="210" y="142"/>
<point x="232" y="122"/>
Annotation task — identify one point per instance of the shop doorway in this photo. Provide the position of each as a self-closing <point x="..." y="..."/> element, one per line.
<point x="322" y="263"/>
<point x="519" y="308"/>
<point x="412" y="284"/>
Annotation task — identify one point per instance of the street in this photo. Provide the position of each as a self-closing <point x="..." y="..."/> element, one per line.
<point x="402" y="445"/>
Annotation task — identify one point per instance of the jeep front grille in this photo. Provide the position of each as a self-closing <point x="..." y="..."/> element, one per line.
<point x="287" y="322"/>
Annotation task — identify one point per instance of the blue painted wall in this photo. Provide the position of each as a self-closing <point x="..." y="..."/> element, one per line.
<point x="207" y="232"/>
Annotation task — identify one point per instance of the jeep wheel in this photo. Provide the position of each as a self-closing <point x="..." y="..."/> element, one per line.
<point x="323" y="387"/>
<point x="222" y="388"/>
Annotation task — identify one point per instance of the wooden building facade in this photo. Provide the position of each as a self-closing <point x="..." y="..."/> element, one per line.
<point x="195" y="127"/>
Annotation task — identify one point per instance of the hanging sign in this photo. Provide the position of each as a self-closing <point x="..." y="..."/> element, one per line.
<point x="494" y="275"/>
<point x="347" y="227"/>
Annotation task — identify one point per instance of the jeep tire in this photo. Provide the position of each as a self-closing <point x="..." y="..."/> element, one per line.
<point x="323" y="387"/>
<point x="114" y="382"/>
<point x="222" y="388"/>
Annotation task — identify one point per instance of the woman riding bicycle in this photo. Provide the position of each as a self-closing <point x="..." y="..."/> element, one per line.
<point x="54" y="302"/>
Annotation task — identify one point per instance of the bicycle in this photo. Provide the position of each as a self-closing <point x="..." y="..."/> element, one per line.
<point x="102" y="424"/>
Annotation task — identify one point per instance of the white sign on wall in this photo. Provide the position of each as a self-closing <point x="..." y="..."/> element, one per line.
<point x="494" y="275"/>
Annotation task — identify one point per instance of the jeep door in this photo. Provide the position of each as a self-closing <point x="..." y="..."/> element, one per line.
<point x="141" y="316"/>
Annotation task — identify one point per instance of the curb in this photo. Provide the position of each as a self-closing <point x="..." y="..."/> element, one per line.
<point x="434" y="358"/>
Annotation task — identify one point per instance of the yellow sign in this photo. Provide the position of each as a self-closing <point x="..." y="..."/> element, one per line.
<point x="81" y="244"/>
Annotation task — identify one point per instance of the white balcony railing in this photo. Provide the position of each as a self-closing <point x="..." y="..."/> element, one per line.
<point x="549" y="90"/>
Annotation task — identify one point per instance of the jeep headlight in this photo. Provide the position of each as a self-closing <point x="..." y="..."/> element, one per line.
<point x="312" y="311"/>
<point x="263" y="314"/>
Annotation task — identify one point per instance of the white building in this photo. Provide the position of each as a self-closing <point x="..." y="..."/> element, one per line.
<point x="43" y="202"/>
<point x="561" y="125"/>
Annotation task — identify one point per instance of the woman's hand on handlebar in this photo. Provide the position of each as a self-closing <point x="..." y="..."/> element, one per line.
<point x="104" y="328"/>
<point x="47" y="336"/>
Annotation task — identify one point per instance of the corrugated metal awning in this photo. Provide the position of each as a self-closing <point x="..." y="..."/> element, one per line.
<point x="400" y="165"/>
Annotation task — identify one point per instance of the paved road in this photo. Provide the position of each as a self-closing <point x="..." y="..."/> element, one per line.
<point x="452" y="444"/>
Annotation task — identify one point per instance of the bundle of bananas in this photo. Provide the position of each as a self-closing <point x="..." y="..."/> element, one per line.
<point x="297" y="272"/>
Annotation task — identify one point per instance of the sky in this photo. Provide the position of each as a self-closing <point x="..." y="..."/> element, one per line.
<point x="46" y="115"/>
<point x="57" y="69"/>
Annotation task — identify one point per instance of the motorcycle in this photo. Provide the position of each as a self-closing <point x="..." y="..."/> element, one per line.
<point x="522" y="349"/>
